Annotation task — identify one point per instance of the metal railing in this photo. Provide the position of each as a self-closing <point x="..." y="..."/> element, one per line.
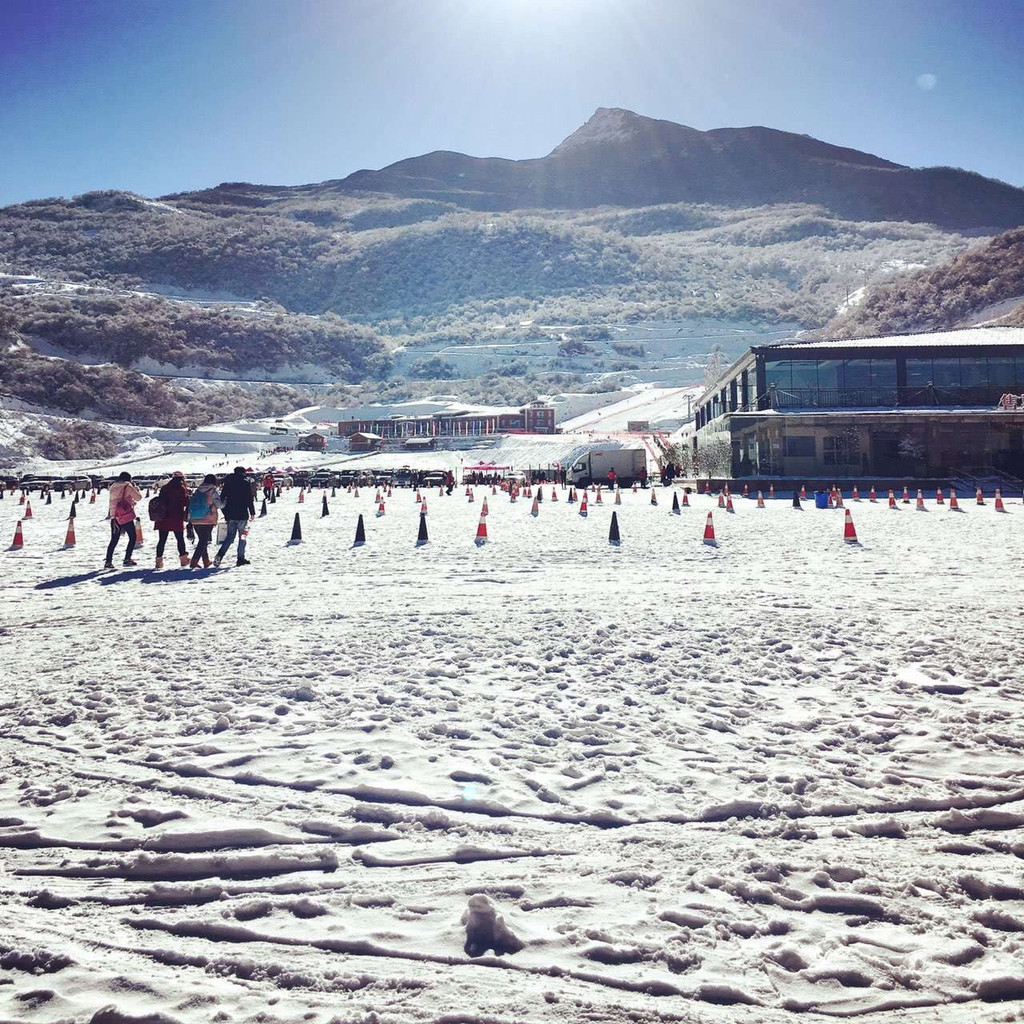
<point x="968" y="397"/>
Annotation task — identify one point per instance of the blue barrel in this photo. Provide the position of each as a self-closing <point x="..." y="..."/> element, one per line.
<point x="821" y="499"/>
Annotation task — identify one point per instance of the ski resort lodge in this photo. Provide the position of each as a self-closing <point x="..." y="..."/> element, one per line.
<point x="942" y="405"/>
<point x="448" y="421"/>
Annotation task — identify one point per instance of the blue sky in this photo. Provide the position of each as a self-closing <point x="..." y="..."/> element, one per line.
<point x="158" y="96"/>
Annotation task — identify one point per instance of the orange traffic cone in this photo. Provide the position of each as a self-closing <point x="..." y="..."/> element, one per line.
<point x="423" y="507"/>
<point x="654" y="497"/>
<point x="597" y="499"/>
<point x="849" y="531"/>
<point x="803" y="493"/>
<point x="856" y="493"/>
<point x="494" y="490"/>
<point x="583" y="504"/>
<point x="954" y="505"/>
<point x="839" y="499"/>
<point x="535" y="507"/>
<point x="92" y="498"/>
<point x="69" y="537"/>
<point x="709" y="532"/>
<point x="920" y="501"/>
<point x="138" y="533"/>
<point x="760" y="500"/>
<point x="634" y="488"/>
<point x="481" y="532"/>
<point x="771" y="491"/>
<point x="483" y="508"/>
<point x="19" y="538"/>
<point x="686" y="500"/>
<point x="554" y="494"/>
<point x="746" y="491"/>
<point x="939" y="500"/>
<point x="380" y="508"/>
<point x="979" y="498"/>
<point x="892" y="501"/>
<point x="728" y="504"/>
<point x="872" y="494"/>
<point x="302" y="497"/>
<point x="721" y="499"/>
<point x="28" y="510"/>
<point x="618" y="496"/>
<point x="906" y="495"/>
<point x="999" y="506"/>
<point x="471" y="497"/>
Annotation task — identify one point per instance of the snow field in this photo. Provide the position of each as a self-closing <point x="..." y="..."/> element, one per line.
<point x="545" y="779"/>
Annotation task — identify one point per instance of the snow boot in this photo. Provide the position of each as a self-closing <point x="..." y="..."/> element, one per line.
<point x="216" y="563"/>
<point x="183" y="559"/>
<point x="243" y="561"/>
<point x="130" y="561"/>
<point x="159" y="562"/>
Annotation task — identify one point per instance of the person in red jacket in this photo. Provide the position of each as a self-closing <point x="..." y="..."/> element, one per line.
<point x="174" y="497"/>
<point x="268" y="486"/>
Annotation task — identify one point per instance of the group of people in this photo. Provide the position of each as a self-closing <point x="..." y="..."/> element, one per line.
<point x="175" y="509"/>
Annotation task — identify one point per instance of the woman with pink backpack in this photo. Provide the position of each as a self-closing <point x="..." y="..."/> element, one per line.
<point x="123" y="497"/>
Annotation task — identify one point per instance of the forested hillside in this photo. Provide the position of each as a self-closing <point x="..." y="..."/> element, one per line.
<point x="986" y="282"/>
<point x="408" y="267"/>
<point x="98" y="325"/>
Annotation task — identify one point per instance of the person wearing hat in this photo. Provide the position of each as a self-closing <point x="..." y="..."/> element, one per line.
<point x="172" y="511"/>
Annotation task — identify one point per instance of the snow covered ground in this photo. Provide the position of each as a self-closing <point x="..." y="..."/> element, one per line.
<point x="775" y="780"/>
<point x="657" y="406"/>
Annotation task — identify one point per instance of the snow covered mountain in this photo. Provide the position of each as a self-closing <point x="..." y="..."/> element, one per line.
<point x="624" y="159"/>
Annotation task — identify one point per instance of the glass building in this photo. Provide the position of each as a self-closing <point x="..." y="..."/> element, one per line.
<point x="941" y="405"/>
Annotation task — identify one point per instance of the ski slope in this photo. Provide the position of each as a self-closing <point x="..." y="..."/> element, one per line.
<point x="771" y="781"/>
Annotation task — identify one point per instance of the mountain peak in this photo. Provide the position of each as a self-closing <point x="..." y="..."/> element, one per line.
<point x="609" y="125"/>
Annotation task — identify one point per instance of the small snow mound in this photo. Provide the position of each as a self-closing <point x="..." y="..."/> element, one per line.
<point x="486" y="929"/>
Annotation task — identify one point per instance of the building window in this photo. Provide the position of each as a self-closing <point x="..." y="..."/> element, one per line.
<point x="946" y="372"/>
<point x="779" y="373"/>
<point x="805" y="375"/>
<point x="799" y="446"/>
<point x="1000" y="371"/>
<point x="840" y="451"/>
<point x="830" y="374"/>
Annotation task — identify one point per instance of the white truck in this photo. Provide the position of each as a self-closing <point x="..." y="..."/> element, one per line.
<point x="594" y="465"/>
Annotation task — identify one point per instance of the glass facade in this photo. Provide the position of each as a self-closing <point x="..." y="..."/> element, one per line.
<point x="965" y="371"/>
<point x="800" y="383"/>
<point x="905" y="377"/>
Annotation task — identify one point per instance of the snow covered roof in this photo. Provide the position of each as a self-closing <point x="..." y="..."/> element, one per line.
<point x="972" y="336"/>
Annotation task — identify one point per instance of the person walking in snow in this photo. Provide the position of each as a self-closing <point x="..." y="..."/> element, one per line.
<point x="237" y="502"/>
<point x="172" y="504"/>
<point x="124" y="496"/>
<point x="449" y="480"/>
<point x="268" y="486"/>
<point x="202" y="514"/>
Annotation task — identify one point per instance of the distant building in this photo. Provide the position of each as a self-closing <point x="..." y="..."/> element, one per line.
<point x="922" y="405"/>
<point x="364" y="441"/>
<point x="312" y="443"/>
<point x="452" y="421"/>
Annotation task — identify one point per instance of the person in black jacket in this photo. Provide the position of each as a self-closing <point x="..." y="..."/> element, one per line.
<point x="236" y="494"/>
